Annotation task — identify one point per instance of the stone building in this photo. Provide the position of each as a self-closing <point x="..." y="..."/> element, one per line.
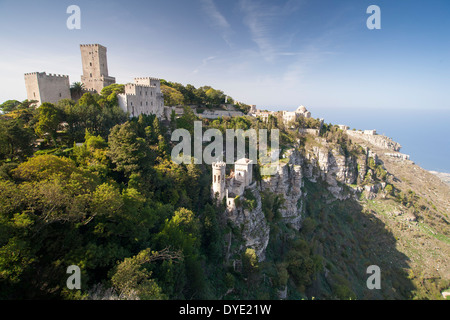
<point x="287" y="116"/>
<point x="44" y="87"/>
<point x="233" y="186"/>
<point x="218" y="183"/>
<point x="95" y="67"/>
<point x="144" y="96"/>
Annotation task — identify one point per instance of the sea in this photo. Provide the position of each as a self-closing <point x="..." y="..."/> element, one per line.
<point x="423" y="134"/>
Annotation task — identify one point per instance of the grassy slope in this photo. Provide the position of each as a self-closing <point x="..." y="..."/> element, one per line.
<point x="410" y="243"/>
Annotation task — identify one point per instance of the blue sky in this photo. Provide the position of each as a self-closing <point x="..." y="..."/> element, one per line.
<point x="275" y="54"/>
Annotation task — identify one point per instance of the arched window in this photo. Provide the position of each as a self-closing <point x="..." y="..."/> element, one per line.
<point x="214" y="179"/>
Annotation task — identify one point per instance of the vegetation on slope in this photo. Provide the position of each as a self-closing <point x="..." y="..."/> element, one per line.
<point x="81" y="184"/>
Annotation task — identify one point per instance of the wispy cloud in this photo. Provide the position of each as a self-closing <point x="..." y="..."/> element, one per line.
<point x="217" y="19"/>
<point x="204" y="64"/>
<point x="261" y="18"/>
<point x="258" y="20"/>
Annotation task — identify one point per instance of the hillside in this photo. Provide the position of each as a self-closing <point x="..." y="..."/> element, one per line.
<point x="445" y="177"/>
<point x="356" y="208"/>
<point x="100" y="191"/>
<point x="420" y="224"/>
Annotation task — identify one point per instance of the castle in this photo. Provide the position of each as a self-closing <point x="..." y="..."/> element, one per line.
<point x="95" y="67"/>
<point x="233" y="186"/>
<point x="287" y="116"/>
<point x="44" y="87"/>
<point x="141" y="97"/>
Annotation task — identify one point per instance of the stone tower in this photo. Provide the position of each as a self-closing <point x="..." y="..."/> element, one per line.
<point x="218" y="176"/>
<point x="243" y="171"/>
<point x="95" y="67"/>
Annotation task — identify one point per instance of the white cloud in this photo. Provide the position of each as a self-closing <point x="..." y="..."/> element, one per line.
<point x="261" y="19"/>
<point x="217" y="19"/>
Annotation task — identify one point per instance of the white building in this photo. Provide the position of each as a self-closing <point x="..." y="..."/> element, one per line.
<point x="230" y="188"/>
<point x="144" y="96"/>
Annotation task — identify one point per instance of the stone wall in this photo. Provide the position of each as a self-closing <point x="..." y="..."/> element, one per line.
<point x="47" y="87"/>
<point x="95" y="67"/>
<point x="142" y="98"/>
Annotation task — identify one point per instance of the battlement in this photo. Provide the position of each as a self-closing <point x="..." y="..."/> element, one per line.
<point x="218" y="165"/>
<point x="32" y="73"/>
<point x="140" y="85"/>
<point x="147" y="78"/>
<point x="43" y="74"/>
<point x="57" y="75"/>
<point x="92" y="45"/>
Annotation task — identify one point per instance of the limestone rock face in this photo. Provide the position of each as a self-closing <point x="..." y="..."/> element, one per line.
<point x="333" y="166"/>
<point x="377" y="140"/>
<point x="254" y="227"/>
<point x="321" y="161"/>
<point x="288" y="182"/>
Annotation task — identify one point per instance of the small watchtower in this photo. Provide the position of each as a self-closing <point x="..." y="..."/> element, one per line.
<point x="243" y="171"/>
<point x="218" y="179"/>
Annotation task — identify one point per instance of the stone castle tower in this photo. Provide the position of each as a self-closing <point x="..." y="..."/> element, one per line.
<point x="44" y="87"/>
<point x="142" y="97"/>
<point x="218" y="183"/>
<point x="95" y="67"/>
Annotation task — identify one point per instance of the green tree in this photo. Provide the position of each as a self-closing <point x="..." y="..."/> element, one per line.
<point x="49" y="120"/>
<point x="172" y="97"/>
<point x="76" y="90"/>
<point x="15" y="140"/>
<point x="113" y="88"/>
<point x="9" y="105"/>
<point x="128" y="151"/>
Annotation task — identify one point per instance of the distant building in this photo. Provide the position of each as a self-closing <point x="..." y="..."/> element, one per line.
<point x="287" y="116"/>
<point x="44" y="87"/>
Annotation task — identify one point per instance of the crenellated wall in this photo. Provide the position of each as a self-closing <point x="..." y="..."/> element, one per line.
<point x="47" y="87"/>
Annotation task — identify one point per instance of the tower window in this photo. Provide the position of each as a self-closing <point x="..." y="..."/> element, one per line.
<point x="90" y="75"/>
<point x="90" y="63"/>
<point x="214" y="179"/>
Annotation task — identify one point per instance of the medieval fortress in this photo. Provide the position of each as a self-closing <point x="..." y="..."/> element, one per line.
<point x="141" y="97"/>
